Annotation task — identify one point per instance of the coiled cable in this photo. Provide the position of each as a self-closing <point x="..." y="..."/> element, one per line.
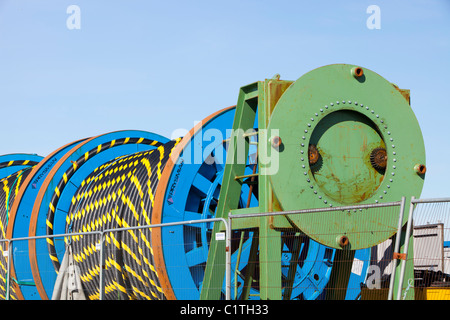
<point x="10" y="186"/>
<point x="68" y="175"/>
<point x="119" y="194"/>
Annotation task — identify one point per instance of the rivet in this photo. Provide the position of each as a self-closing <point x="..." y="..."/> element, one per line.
<point x="391" y="139"/>
<point x="389" y="132"/>
<point x="337" y="102"/>
<point x="381" y="197"/>
<point x="393" y="146"/>
<point x="311" y="187"/>
<point x="306" y="131"/>
<point x="315" y="192"/>
<point x="390" y="180"/>
<point x="320" y="197"/>
<point x="331" y="104"/>
<point x="376" y="201"/>
<point x="343" y="101"/>
<point x="349" y="101"/>
<point x="301" y="151"/>
<point x="308" y="180"/>
<point x="305" y="173"/>
<point x="324" y="201"/>
<point x="381" y="121"/>
<point x="377" y="116"/>
<point x="316" y="114"/>
<point x="372" y="111"/>
<point x="331" y="205"/>
<point x="367" y="108"/>
<point x="362" y="105"/>
<point x="302" y="144"/>
<point x="394" y="153"/>
<point x="303" y="138"/>
<point x="385" y="192"/>
<point x="321" y="110"/>
<point x="388" y="186"/>
<point x="393" y="167"/>
<point x="393" y="173"/>
<point x="356" y="103"/>
<point x="303" y="166"/>
<point x="326" y="107"/>
<point x="302" y="159"/>
<point x="309" y="124"/>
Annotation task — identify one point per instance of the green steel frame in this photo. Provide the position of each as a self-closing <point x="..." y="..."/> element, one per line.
<point x="259" y="101"/>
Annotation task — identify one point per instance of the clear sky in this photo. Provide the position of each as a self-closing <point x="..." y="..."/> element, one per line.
<point x="163" y="65"/>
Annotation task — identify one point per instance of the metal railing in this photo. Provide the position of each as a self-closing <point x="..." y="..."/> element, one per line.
<point x="227" y="223"/>
<point x="400" y="204"/>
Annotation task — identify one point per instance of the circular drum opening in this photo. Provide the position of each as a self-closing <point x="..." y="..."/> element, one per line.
<point x="346" y="141"/>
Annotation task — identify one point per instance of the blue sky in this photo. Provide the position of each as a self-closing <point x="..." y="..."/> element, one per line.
<point x="162" y="65"/>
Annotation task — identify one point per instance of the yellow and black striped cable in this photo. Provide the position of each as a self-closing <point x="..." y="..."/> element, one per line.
<point x="69" y="173"/>
<point x="119" y="194"/>
<point x="12" y="163"/>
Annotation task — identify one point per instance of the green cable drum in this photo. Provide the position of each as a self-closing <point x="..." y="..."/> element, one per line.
<point x="348" y="137"/>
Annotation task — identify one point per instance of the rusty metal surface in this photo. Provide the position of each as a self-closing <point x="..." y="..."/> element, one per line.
<point x="346" y="114"/>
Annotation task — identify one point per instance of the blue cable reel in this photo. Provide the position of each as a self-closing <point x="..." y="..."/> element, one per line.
<point x="191" y="193"/>
<point x="315" y="263"/>
<point x="14" y="162"/>
<point x="14" y="168"/>
<point x="19" y="223"/>
<point x="191" y="190"/>
<point x="85" y="158"/>
<point x="358" y="276"/>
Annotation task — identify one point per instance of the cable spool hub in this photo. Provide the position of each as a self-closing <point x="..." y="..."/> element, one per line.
<point x="346" y="114"/>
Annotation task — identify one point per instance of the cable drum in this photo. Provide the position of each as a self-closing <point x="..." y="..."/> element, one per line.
<point x="12" y="163"/>
<point x="119" y="194"/>
<point x="65" y="180"/>
<point x="9" y="188"/>
<point x="17" y="163"/>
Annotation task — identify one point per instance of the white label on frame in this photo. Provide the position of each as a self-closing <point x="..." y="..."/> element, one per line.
<point x="357" y="266"/>
<point x="220" y="236"/>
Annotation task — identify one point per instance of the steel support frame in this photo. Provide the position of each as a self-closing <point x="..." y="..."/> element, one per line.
<point x="258" y="100"/>
<point x="231" y="188"/>
<point x="255" y="100"/>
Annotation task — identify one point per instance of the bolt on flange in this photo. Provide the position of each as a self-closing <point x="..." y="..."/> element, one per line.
<point x="420" y="168"/>
<point x="357" y="72"/>
<point x="276" y="142"/>
<point x="342" y="241"/>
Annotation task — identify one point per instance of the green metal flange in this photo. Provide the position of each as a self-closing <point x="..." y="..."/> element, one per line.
<point x="382" y="159"/>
